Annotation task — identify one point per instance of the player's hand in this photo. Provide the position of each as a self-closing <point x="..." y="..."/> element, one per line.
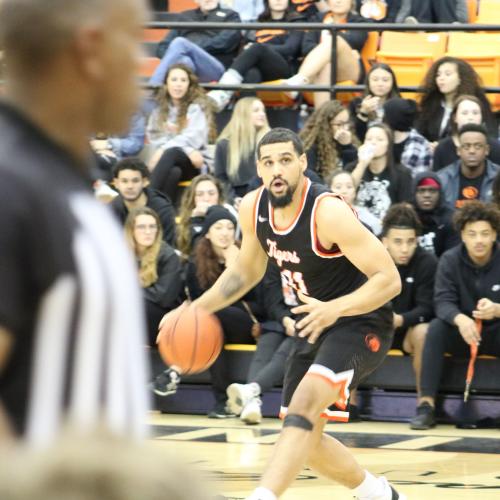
<point x="486" y="309"/>
<point x="177" y="310"/>
<point x="319" y="316"/>
<point x="468" y="329"/>
<point x="289" y="326"/>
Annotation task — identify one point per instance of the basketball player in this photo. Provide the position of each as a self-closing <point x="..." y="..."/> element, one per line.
<point x="71" y="333"/>
<point x="344" y="277"/>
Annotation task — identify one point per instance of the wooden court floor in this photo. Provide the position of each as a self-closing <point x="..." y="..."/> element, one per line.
<point x="444" y="463"/>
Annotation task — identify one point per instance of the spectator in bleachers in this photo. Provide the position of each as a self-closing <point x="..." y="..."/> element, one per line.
<point x="131" y="180"/>
<point x="447" y="79"/>
<point x="213" y="251"/>
<point x="471" y="177"/>
<point x="342" y="183"/>
<point x="234" y="163"/>
<point x="380" y="85"/>
<point x="310" y="8"/>
<point x="380" y="180"/>
<point x="413" y="307"/>
<point x="433" y="11"/>
<point x="268" y="54"/>
<point x="438" y="233"/>
<point x="267" y="367"/>
<point x="329" y="139"/>
<point x="316" y="47"/>
<point x="466" y="290"/>
<point x="105" y="158"/>
<point x="249" y="10"/>
<point x="467" y="109"/>
<point x="159" y="266"/>
<point x="206" y="52"/>
<point x="411" y="149"/>
<point x="495" y="195"/>
<point x="377" y="10"/>
<point x="204" y="191"/>
<point x="180" y="129"/>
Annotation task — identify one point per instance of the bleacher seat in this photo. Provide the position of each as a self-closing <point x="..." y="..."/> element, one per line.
<point x="489" y="12"/>
<point x="148" y="65"/>
<point x="370" y="49"/>
<point x="180" y="5"/>
<point x="472" y="10"/>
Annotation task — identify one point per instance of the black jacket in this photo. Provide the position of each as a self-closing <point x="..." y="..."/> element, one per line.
<point x="460" y="284"/>
<point x="167" y="289"/>
<point x="158" y="202"/>
<point x="222" y="44"/>
<point x="438" y="232"/>
<point x="415" y="302"/>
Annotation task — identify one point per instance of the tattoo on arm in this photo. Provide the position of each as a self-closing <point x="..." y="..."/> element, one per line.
<point x="230" y="285"/>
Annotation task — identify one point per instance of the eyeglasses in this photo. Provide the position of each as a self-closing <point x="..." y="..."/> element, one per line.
<point x="146" y="227"/>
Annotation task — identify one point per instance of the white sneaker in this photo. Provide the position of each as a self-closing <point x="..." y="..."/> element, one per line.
<point x="220" y="98"/>
<point x="239" y="395"/>
<point x="296" y="79"/>
<point x="389" y="492"/>
<point x="252" y="413"/>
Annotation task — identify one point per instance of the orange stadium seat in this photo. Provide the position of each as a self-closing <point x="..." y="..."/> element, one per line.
<point x="480" y="50"/>
<point x="153" y="35"/>
<point x="489" y="12"/>
<point x="148" y="65"/>
<point x="410" y="55"/>
<point x="343" y="97"/>
<point x="472" y="10"/>
<point x="180" y="5"/>
<point x="370" y="49"/>
<point x="275" y="98"/>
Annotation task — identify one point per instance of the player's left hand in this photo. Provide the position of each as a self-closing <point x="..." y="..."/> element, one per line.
<point x="319" y="316"/>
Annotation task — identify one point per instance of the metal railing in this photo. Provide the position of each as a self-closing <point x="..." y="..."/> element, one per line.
<point x="333" y="88"/>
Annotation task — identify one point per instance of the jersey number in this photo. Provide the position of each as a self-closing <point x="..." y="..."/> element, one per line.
<point x="294" y="279"/>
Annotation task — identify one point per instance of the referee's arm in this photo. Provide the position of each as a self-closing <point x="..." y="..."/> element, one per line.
<point x="5" y="347"/>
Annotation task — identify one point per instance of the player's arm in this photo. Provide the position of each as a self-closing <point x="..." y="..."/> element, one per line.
<point x="337" y="224"/>
<point x="245" y="271"/>
<point x="5" y="349"/>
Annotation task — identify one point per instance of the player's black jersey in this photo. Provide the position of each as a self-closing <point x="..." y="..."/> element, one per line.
<point x="304" y="264"/>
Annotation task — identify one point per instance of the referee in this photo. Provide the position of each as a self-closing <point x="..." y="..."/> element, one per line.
<point x="71" y="327"/>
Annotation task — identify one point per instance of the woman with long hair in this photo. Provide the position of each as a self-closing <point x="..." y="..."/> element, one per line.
<point x="234" y="163"/>
<point x="467" y="109"/>
<point x="380" y="181"/>
<point x="317" y="49"/>
<point x="380" y="86"/>
<point x="204" y="191"/>
<point x="159" y="267"/>
<point x="329" y="139"/>
<point x="267" y="55"/>
<point x="447" y="79"/>
<point x="180" y="129"/>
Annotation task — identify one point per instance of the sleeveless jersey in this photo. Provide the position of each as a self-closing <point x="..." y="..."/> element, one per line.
<point x="304" y="264"/>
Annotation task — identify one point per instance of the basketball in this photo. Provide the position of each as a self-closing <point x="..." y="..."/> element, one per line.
<point x="191" y="339"/>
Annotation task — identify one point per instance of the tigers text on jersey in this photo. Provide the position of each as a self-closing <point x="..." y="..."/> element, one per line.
<point x="304" y="264"/>
<point x="69" y="295"/>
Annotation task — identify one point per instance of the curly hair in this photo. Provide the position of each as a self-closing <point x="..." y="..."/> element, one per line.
<point x="431" y="97"/>
<point x="401" y="216"/>
<point x="186" y="208"/>
<point x="318" y="132"/>
<point x="148" y="272"/>
<point x="194" y="95"/>
<point x="475" y="211"/>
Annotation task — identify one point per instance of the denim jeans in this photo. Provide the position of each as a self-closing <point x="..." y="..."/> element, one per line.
<point x="181" y="50"/>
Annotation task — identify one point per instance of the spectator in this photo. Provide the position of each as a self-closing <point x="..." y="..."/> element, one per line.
<point x="204" y="191"/>
<point x="180" y="129"/>
<point x="467" y="109"/>
<point x="267" y="55"/>
<point x="411" y="149"/>
<point x="317" y="49"/>
<point x="342" y="183"/>
<point x="438" y="233"/>
<point x="267" y="367"/>
<point x="329" y="139"/>
<point x="105" y="158"/>
<point x="430" y="11"/>
<point x="447" y="79"/>
<point x="206" y="52"/>
<point x="381" y="181"/>
<point x="466" y="290"/>
<point x="380" y="85"/>
<point x="234" y="163"/>
<point x="413" y="307"/>
<point x="159" y="266"/>
<point x="471" y="177"/>
<point x="496" y="191"/>
<point x="249" y="10"/>
<point x="310" y="8"/>
<point x="377" y="10"/>
<point x="131" y="180"/>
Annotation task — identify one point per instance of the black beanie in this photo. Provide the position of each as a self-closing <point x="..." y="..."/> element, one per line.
<point x="214" y="214"/>
<point x="400" y="114"/>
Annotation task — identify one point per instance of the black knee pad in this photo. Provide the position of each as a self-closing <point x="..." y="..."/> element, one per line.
<point x="298" y="421"/>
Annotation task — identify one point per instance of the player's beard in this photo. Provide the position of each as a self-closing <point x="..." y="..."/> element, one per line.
<point x="284" y="200"/>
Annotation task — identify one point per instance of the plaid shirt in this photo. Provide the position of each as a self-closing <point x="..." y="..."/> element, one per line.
<point x="417" y="153"/>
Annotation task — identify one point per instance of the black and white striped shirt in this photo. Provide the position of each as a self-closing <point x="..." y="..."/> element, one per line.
<point x="68" y="294"/>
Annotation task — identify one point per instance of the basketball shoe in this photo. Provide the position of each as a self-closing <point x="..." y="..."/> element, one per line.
<point x="239" y="395"/>
<point x="166" y="383"/>
<point x="252" y="413"/>
<point x="388" y="492"/>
